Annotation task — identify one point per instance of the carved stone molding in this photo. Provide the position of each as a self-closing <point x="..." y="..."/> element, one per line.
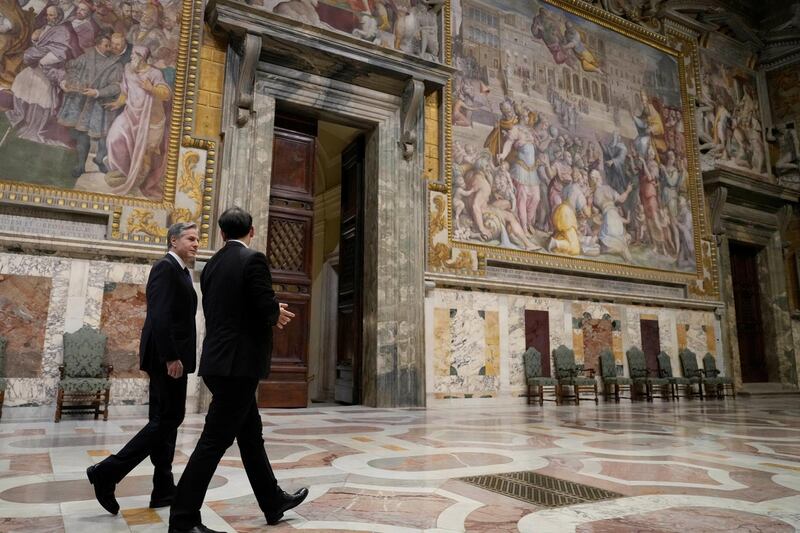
<point x="409" y="111"/>
<point x="716" y="204"/>
<point x="251" y="50"/>
<point x="784" y="216"/>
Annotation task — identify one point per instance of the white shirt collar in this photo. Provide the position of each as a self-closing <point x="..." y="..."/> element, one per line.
<point x="240" y="242"/>
<point x="178" y="259"/>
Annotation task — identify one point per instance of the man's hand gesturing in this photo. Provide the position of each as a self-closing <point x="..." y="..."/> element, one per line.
<point x="285" y="317"/>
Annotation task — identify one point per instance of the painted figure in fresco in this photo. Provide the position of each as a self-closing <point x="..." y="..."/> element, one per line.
<point x="428" y="32"/>
<point x="148" y="31"/>
<point x="612" y="237"/>
<point x="649" y="127"/>
<point x="614" y="156"/>
<point x="460" y="194"/>
<point x="648" y="197"/>
<point x="543" y="27"/>
<point x="573" y="42"/>
<point x="406" y="29"/>
<point x="85" y="26"/>
<point x="92" y="82"/>
<point x="16" y="26"/>
<point x="304" y="11"/>
<point x="519" y="151"/>
<point x="566" y="236"/>
<point x="368" y="29"/>
<point x="685" y="233"/>
<point x="137" y="139"/>
<point x="37" y="95"/>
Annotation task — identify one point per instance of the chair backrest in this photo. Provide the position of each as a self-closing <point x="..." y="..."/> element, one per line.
<point x="637" y="365"/>
<point x="710" y="366"/>
<point x="608" y="366"/>
<point x="83" y="353"/>
<point x="688" y="363"/>
<point x="3" y="344"/>
<point x="664" y="365"/>
<point x="532" y="360"/>
<point x="564" y="359"/>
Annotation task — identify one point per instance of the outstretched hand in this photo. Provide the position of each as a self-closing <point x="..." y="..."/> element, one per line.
<point x="285" y="317"/>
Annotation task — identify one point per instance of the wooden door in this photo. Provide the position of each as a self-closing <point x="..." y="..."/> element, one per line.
<point x="537" y="334"/>
<point x="289" y="244"/>
<point x="651" y="343"/>
<point x="350" y="298"/>
<point x="749" y="325"/>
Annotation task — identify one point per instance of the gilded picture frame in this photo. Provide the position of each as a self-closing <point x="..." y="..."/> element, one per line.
<point x="189" y="159"/>
<point x="672" y="44"/>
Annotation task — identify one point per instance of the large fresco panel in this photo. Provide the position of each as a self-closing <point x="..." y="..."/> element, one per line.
<point x="784" y="93"/>
<point x="568" y="139"/>
<point x="87" y="103"/>
<point x="730" y="125"/>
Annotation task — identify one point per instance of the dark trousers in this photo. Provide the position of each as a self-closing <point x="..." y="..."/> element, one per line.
<point x="156" y="439"/>
<point x="233" y="414"/>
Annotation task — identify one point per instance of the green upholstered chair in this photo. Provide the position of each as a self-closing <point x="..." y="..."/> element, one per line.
<point x="3" y="344"/>
<point x="690" y="370"/>
<point x="677" y="384"/>
<point x="532" y="360"/>
<point x="569" y="375"/>
<point x="643" y="376"/>
<point x="724" y="384"/>
<point x="85" y="385"/>
<point x="608" y="373"/>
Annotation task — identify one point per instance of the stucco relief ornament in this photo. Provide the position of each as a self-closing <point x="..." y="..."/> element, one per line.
<point x="642" y="12"/>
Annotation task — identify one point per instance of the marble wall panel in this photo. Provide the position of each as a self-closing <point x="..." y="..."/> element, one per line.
<point x="24" y="302"/>
<point x="459" y="326"/>
<point x="123" y="311"/>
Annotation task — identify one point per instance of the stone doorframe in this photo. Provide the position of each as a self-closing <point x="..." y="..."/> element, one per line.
<point x="393" y="353"/>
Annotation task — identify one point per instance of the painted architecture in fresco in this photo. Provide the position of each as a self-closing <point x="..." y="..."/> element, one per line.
<point x="86" y="93"/>
<point x="567" y="139"/>
<point x="730" y="121"/>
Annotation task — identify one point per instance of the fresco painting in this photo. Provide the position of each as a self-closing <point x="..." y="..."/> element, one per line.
<point x="730" y="126"/>
<point x="567" y="139"/>
<point x="411" y="26"/>
<point x="784" y="93"/>
<point x="86" y="90"/>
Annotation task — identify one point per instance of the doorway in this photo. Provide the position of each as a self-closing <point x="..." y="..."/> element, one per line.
<point x="749" y="320"/>
<point x="317" y="166"/>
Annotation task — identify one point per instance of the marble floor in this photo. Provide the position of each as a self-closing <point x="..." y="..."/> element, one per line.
<point x="699" y="466"/>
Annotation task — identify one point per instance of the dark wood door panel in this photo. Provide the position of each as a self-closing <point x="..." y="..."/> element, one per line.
<point x="537" y="334"/>
<point x="749" y="323"/>
<point x="293" y="164"/>
<point x="290" y="245"/>
<point x="290" y="344"/>
<point x="651" y="342"/>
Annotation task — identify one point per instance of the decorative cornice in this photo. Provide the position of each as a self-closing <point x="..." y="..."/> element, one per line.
<point x="750" y="192"/>
<point x="231" y="16"/>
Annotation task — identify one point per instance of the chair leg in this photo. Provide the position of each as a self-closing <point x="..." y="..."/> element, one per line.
<point x="577" y="390"/>
<point x="529" y="394"/>
<point x="541" y="394"/>
<point x="616" y="392"/>
<point x="59" y="402"/>
<point x="2" y="399"/>
<point x="558" y="394"/>
<point x="596" y="399"/>
<point x="105" y="409"/>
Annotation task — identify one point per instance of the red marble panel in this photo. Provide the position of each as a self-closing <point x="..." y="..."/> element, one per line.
<point x="124" y="309"/>
<point x="24" y="302"/>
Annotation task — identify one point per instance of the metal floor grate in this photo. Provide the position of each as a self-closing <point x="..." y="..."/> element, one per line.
<point x="539" y="489"/>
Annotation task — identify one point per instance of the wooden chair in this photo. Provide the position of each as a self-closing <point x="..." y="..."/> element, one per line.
<point x="677" y="384"/>
<point x="641" y="375"/>
<point x="723" y="383"/>
<point x="85" y="385"/>
<point x="608" y="373"/>
<point x="692" y="371"/>
<point x="569" y="375"/>
<point x="3" y="344"/>
<point x="532" y="360"/>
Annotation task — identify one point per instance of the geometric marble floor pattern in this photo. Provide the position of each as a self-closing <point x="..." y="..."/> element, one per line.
<point x="687" y="466"/>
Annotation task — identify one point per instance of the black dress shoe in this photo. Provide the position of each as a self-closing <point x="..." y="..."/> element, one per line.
<point x="103" y="491"/>
<point x="286" y="502"/>
<point x="199" y="528"/>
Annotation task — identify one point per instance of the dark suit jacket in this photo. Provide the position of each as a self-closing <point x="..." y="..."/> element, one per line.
<point x="240" y="309"/>
<point x="169" y="327"/>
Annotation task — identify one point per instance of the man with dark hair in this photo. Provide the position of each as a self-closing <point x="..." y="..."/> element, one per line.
<point x="167" y="349"/>
<point x="240" y="309"/>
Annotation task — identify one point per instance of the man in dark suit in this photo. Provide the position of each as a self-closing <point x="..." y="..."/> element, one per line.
<point x="240" y="309"/>
<point x="167" y="352"/>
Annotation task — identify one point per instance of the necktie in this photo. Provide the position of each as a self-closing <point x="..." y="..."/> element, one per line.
<point x="188" y="275"/>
